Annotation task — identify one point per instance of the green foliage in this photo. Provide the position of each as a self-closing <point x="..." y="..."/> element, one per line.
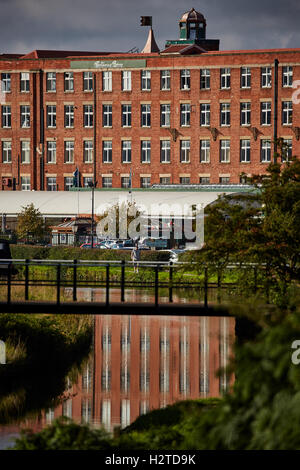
<point x="262" y="227"/>
<point x="47" y="347"/>
<point x="66" y="435"/>
<point x="30" y="222"/>
<point x="127" y="212"/>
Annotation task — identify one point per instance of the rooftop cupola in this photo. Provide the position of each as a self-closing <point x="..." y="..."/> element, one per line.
<point x="192" y="36"/>
<point x="192" y="25"/>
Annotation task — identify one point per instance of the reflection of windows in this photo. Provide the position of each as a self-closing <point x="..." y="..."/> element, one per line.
<point x="164" y="380"/>
<point x="145" y="340"/>
<point x="106" y="414"/>
<point x="125" y="379"/>
<point x="67" y="408"/>
<point x="144" y="407"/>
<point x="49" y="415"/>
<point x="86" y="410"/>
<point x="145" y="381"/>
<point x="125" y="413"/>
<point x="106" y="378"/>
<point x="87" y="378"/>
<point x="106" y="339"/>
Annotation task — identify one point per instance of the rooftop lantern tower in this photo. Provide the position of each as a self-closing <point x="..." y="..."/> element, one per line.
<point x="192" y="31"/>
<point x="192" y="25"/>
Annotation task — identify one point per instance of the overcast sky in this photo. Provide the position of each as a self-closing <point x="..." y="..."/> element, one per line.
<point x="114" y="25"/>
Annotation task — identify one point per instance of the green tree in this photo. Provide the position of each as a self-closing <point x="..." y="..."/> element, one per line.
<point x="30" y="223"/>
<point x="117" y="219"/>
<point x="260" y="227"/>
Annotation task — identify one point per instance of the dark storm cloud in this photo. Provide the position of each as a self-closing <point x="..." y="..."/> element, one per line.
<point x="113" y="25"/>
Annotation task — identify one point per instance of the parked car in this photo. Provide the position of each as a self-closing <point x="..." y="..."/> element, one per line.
<point x="100" y="245"/>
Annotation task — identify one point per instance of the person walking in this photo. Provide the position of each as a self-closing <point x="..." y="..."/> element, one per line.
<point x="136" y="256"/>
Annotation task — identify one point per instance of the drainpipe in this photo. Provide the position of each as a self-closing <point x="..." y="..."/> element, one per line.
<point x="42" y="163"/>
<point x="275" y="136"/>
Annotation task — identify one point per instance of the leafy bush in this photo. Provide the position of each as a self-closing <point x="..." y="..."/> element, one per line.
<point x="63" y="252"/>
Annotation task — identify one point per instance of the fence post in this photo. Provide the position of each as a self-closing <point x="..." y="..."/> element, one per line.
<point x="107" y="285"/>
<point x="58" y="284"/>
<point x="26" y="279"/>
<point x="75" y="280"/>
<point x="219" y="285"/>
<point x="123" y="280"/>
<point x="171" y="282"/>
<point x="205" y="286"/>
<point x="156" y="285"/>
<point x="9" y="282"/>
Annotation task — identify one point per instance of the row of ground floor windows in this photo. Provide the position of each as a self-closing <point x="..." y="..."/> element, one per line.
<point x="145" y="151"/>
<point x="125" y="182"/>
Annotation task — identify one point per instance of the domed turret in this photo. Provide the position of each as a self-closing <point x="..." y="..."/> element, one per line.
<point x="192" y="25"/>
<point x="192" y="39"/>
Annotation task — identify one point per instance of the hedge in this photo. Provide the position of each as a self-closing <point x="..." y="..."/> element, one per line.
<point x="65" y="252"/>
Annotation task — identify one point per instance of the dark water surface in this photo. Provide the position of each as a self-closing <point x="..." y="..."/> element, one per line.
<point x="139" y="363"/>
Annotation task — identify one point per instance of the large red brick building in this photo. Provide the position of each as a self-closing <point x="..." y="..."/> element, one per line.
<point x="189" y="114"/>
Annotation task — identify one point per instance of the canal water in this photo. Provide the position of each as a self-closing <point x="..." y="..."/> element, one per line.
<point x="137" y="364"/>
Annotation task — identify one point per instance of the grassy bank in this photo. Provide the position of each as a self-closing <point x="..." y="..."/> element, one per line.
<point x="41" y="350"/>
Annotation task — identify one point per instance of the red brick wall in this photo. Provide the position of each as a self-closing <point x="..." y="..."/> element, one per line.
<point x="155" y="62"/>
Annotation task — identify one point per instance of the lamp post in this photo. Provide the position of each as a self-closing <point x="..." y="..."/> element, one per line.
<point x="74" y="230"/>
<point x="92" y="185"/>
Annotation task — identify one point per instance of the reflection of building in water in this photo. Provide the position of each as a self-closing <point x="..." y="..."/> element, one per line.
<point x="142" y="363"/>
